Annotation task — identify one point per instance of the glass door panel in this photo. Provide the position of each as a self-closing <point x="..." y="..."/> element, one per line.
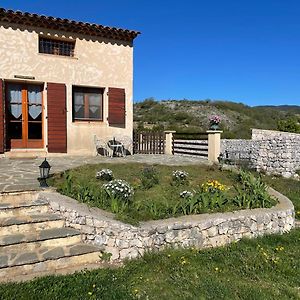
<point x="34" y="114"/>
<point x="15" y="114"/>
<point x="25" y="115"/>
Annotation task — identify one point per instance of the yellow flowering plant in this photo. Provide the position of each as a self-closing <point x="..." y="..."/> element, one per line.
<point x="213" y="186"/>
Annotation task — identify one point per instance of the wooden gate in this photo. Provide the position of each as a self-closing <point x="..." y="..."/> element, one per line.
<point x="148" y="142"/>
<point x="195" y="144"/>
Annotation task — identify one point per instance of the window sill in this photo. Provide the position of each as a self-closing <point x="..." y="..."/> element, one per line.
<point x="57" y="56"/>
<point x="87" y="121"/>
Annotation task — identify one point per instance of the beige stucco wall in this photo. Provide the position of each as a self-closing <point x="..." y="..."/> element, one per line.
<point x="97" y="62"/>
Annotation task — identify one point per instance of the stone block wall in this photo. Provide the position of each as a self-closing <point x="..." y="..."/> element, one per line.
<point x="202" y="231"/>
<point x="237" y="147"/>
<point x="274" y="152"/>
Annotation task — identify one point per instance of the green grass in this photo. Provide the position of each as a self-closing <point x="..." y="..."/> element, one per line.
<point x="158" y="202"/>
<point x="288" y="187"/>
<point x="263" y="268"/>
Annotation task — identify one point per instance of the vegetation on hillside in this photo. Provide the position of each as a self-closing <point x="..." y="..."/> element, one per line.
<point x="192" y="116"/>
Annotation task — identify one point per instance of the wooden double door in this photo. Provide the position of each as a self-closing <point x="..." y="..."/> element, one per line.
<point x="24" y="115"/>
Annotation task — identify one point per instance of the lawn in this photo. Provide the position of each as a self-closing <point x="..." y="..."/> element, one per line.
<point x="160" y="199"/>
<point x="263" y="268"/>
<point x="288" y="187"/>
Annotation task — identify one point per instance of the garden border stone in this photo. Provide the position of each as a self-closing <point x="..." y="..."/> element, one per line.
<point x="125" y="241"/>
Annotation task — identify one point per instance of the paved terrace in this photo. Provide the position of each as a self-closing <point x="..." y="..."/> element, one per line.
<point x="21" y="174"/>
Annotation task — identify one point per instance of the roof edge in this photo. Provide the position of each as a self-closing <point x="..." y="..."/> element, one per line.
<point x="49" y="22"/>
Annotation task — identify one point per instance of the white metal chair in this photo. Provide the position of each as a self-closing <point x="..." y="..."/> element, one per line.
<point x="126" y="142"/>
<point x="101" y="145"/>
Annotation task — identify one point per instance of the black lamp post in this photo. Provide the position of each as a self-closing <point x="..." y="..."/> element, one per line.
<point x="44" y="173"/>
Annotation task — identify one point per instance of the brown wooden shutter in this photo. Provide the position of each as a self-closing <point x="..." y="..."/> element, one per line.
<point x="57" y="122"/>
<point x="116" y="107"/>
<point x="1" y="117"/>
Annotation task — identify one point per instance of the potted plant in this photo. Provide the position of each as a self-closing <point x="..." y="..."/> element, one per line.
<point x="214" y="122"/>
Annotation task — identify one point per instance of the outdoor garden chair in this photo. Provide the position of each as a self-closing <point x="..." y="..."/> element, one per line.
<point x="102" y="146"/>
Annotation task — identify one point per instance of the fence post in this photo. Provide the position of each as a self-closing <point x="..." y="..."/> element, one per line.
<point x="169" y="142"/>
<point x="214" y="144"/>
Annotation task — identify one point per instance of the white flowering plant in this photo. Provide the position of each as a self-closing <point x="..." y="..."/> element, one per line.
<point x="186" y="194"/>
<point x="105" y="174"/>
<point x="180" y="176"/>
<point x="119" y="189"/>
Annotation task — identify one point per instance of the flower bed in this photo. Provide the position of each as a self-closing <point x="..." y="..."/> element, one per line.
<point x="143" y="193"/>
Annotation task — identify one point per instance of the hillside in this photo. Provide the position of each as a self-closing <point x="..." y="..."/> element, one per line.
<point x="192" y="116"/>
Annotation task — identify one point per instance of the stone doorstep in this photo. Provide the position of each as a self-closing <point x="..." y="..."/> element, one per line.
<point x="42" y="254"/>
<point x="37" y="236"/>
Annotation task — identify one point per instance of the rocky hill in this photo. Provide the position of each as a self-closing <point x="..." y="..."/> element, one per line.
<point x="192" y="116"/>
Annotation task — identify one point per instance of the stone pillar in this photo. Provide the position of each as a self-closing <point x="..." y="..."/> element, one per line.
<point x="214" y="144"/>
<point x="169" y="142"/>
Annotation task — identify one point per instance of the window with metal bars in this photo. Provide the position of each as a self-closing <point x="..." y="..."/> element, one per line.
<point x="56" y="47"/>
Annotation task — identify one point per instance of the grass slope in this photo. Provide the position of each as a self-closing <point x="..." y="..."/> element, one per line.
<point x="264" y="268"/>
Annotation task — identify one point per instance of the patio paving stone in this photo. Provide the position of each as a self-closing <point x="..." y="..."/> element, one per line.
<point x="21" y="174"/>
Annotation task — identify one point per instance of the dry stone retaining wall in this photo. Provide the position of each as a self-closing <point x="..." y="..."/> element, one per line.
<point x="207" y="230"/>
<point x="274" y="152"/>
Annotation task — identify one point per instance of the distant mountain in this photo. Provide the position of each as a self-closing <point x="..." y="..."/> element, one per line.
<point x="192" y="116"/>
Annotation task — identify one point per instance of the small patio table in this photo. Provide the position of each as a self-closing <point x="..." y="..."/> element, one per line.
<point x="116" y="146"/>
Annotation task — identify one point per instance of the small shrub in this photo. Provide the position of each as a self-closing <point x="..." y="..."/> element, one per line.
<point x="253" y="192"/>
<point x="180" y="177"/>
<point x="149" y="178"/>
<point x="105" y="174"/>
<point x="211" y="195"/>
<point x="119" y="189"/>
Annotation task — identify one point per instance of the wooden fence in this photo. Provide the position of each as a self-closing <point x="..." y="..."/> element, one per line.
<point x="190" y="144"/>
<point x="148" y="142"/>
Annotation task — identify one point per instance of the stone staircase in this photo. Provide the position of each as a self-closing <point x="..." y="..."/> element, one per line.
<point x="34" y="241"/>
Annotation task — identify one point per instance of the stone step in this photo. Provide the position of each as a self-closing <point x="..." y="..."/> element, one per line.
<point x="33" y="241"/>
<point x="14" y="198"/>
<point x="10" y="210"/>
<point x="21" y="224"/>
<point x="68" y="269"/>
<point x="14" y="266"/>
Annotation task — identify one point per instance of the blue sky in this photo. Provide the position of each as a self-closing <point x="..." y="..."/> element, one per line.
<point x="244" y="51"/>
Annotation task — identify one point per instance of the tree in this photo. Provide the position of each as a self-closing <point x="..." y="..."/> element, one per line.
<point x="290" y="124"/>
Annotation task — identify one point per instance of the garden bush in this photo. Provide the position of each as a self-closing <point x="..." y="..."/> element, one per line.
<point x="149" y="178"/>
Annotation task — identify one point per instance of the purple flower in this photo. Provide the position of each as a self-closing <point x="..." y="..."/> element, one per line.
<point x="215" y="119"/>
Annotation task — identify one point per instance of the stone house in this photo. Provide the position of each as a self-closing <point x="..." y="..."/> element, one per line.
<point x="61" y="83"/>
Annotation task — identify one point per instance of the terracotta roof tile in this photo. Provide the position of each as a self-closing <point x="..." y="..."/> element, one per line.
<point x="49" y="22"/>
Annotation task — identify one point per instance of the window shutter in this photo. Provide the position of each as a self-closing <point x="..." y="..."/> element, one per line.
<point x="57" y="122"/>
<point x="116" y="107"/>
<point x="1" y="117"/>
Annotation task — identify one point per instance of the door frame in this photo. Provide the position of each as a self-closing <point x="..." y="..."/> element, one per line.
<point x="25" y="142"/>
